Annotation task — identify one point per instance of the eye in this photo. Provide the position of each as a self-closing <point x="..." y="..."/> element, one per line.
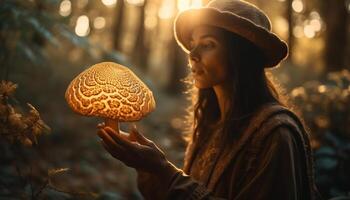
<point x="208" y="45"/>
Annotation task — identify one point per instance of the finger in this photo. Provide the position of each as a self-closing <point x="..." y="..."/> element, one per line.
<point x="121" y="140"/>
<point x="101" y="125"/>
<point x="140" y="137"/>
<point x="118" y="154"/>
<point x="105" y="137"/>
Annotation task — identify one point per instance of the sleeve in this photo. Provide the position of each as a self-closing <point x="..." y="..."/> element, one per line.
<point x="173" y="184"/>
<point x="278" y="171"/>
<point x="277" y="176"/>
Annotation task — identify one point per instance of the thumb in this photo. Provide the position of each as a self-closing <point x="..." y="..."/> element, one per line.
<point x="139" y="136"/>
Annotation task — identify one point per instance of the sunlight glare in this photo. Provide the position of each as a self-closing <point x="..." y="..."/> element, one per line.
<point x="183" y="4"/>
<point x="167" y="10"/>
<point x="150" y="22"/>
<point x="82" y="27"/>
<point x="316" y="24"/>
<point x="281" y="26"/>
<point x="298" y="31"/>
<point x="99" y="22"/>
<point x="65" y="8"/>
<point x="109" y="3"/>
<point x="196" y="4"/>
<point x="136" y="2"/>
<point x="188" y="4"/>
<point x="309" y="31"/>
<point x="298" y="6"/>
<point x="322" y="88"/>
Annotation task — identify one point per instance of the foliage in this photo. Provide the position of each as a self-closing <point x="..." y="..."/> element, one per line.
<point x="16" y="126"/>
<point x="27" y="26"/>
<point x="19" y="130"/>
<point x="325" y="108"/>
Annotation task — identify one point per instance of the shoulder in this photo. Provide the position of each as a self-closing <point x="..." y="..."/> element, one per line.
<point x="278" y="123"/>
<point x="273" y="116"/>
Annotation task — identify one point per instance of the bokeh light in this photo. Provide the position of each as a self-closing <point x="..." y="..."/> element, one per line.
<point x="183" y="4"/>
<point x="65" y="8"/>
<point x="167" y="9"/>
<point x="281" y="26"/>
<point x="151" y="22"/>
<point x="297" y="6"/>
<point x="136" y="2"/>
<point x="109" y="3"/>
<point x="99" y="22"/>
<point x="298" y="31"/>
<point x="82" y="27"/>
<point x="309" y="31"/>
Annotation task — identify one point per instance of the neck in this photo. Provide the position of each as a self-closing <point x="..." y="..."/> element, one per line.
<point x="223" y="100"/>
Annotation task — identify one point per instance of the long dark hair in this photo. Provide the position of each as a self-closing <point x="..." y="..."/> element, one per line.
<point x="250" y="88"/>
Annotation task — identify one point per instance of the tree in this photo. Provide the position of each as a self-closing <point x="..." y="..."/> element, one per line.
<point x="336" y="18"/>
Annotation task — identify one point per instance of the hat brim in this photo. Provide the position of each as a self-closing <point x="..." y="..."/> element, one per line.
<point x="274" y="49"/>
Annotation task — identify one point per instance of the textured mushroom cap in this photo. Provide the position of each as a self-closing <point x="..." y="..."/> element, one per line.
<point x="110" y="90"/>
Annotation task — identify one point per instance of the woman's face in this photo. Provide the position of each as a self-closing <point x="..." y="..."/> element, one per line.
<point x="207" y="57"/>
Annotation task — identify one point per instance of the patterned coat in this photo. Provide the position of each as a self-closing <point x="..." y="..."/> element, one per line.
<point x="271" y="159"/>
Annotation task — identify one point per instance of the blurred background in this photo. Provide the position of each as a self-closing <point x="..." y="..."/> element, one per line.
<point x="49" y="152"/>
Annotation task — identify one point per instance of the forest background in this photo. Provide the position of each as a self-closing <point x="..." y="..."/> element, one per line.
<point x="49" y="152"/>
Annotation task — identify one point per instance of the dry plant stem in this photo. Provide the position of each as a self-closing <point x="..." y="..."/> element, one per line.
<point x="113" y="123"/>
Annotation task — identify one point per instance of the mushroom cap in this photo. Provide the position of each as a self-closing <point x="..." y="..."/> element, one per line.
<point x="110" y="90"/>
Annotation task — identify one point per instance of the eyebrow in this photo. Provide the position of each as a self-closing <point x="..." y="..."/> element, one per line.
<point x="203" y="36"/>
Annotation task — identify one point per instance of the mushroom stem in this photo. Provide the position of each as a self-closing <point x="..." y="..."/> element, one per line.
<point x="113" y="123"/>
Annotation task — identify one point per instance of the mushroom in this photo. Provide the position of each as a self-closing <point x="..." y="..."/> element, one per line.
<point x="111" y="91"/>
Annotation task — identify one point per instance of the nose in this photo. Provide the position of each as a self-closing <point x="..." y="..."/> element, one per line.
<point x="193" y="55"/>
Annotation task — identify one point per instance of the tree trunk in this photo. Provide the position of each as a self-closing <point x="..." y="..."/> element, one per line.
<point x="140" y="51"/>
<point x="289" y="16"/>
<point x="177" y="68"/>
<point x="335" y="17"/>
<point x="118" y="24"/>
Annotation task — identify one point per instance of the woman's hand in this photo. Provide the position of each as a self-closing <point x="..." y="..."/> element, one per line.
<point x="133" y="149"/>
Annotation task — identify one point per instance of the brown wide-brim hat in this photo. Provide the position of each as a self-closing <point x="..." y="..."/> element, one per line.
<point x="239" y="17"/>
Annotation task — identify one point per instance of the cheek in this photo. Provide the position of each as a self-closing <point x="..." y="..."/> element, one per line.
<point x="216" y="66"/>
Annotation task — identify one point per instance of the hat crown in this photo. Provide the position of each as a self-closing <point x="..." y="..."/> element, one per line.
<point x="243" y="9"/>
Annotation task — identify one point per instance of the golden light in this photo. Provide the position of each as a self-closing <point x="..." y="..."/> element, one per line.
<point x="187" y="4"/>
<point x="109" y="3"/>
<point x="315" y="15"/>
<point x="322" y="88"/>
<point x="183" y="4"/>
<point x="65" y="8"/>
<point x="309" y="31"/>
<point x="316" y="24"/>
<point x="281" y="26"/>
<point x="82" y="3"/>
<point x="99" y="22"/>
<point x="297" y="6"/>
<point x="315" y="21"/>
<point x="82" y="27"/>
<point x="298" y="31"/>
<point x="196" y="3"/>
<point x="150" y="22"/>
<point x="167" y="9"/>
<point x="136" y="2"/>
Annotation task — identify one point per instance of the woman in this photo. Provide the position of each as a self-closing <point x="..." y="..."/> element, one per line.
<point x="245" y="143"/>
